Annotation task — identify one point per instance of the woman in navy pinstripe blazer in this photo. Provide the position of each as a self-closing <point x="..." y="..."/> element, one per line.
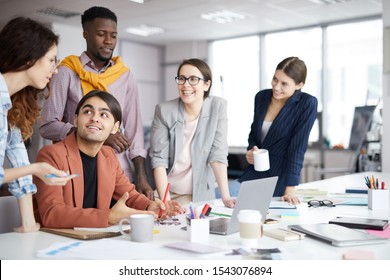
<point x="283" y="118"/>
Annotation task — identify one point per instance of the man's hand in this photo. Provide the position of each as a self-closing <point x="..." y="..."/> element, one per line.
<point x="141" y="181"/>
<point x="120" y="210"/>
<point x="118" y="142"/>
<point x="144" y="188"/>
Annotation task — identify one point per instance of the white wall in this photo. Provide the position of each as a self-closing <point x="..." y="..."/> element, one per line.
<point x="386" y="94"/>
<point x="174" y="55"/>
<point x="145" y="62"/>
<point x="71" y="40"/>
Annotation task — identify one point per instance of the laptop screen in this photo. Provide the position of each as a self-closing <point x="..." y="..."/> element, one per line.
<point x="253" y="195"/>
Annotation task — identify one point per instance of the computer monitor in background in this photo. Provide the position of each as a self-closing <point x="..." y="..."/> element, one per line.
<point x="362" y="119"/>
<point x="316" y="138"/>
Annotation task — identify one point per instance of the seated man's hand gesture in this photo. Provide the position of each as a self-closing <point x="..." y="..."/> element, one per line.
<point x="120" y="210"/>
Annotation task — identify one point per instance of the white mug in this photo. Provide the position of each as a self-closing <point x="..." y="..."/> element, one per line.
<point x="261" y="160"/>
<point x="141" y="226"/>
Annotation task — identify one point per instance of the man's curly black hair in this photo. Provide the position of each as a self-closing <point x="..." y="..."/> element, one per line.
<point x="97" y="12"/>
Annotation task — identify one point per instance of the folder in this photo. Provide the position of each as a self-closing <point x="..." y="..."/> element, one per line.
<point x="284" y="234"/>
<point x="360" y="223"/>
<point x="80" y="234"/>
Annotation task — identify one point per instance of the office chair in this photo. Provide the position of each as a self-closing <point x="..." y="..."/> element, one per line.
<point x="361" y="124"/>
<point x="9" y="214"/>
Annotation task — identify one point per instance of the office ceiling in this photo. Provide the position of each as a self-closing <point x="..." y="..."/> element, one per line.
<point x="181" y="18"/>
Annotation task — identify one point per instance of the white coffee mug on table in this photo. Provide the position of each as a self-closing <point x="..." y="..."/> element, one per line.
<point x="141" y="227"/>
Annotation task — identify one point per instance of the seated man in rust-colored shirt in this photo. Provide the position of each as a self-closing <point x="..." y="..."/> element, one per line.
<point x="102" y="195"/>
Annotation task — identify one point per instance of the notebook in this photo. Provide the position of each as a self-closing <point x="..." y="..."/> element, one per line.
<point x="337" y="235"/>
<point x="81" y="234"/>
<point x="253" y="195"/>
<point x="360" y="223"/>
<point x="284" y="234"/>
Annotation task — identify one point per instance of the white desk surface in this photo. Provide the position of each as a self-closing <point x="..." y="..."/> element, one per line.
<point x="25" y="246"/>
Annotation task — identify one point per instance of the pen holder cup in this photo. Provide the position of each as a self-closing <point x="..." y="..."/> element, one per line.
<point x="198" y="230"/>
<point x="378" y="199"/>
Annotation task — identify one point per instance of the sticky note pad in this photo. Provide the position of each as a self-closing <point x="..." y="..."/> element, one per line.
<point x="289" y="215"/>
<point x="354" y="254"/>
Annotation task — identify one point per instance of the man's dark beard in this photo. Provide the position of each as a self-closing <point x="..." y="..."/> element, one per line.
<point x="104" y="59"/>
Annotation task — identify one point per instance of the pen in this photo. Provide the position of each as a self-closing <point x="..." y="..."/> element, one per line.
<point x="208" y="211"/>
<point x="367" y="181"/>
<point x="196" y="213"/>
<point x="165" y="198"/>
<point x="51" y="175"/>
<point x="205" y="209"/>
<point x="192" y="216"/>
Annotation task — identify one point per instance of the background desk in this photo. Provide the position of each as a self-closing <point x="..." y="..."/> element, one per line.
<point x="25" y="246"/>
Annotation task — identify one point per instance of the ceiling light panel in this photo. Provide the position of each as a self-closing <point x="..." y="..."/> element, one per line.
<point x="144" y="30"/>
<point x="330" y="2"/>
<point x="224" y="16"/>
<point x="55" y="12"/>
<point x="139" y="1"/>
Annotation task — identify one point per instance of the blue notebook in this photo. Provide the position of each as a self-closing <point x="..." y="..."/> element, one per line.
<point x="353" y="200"/>
<point x="363" y="191"/>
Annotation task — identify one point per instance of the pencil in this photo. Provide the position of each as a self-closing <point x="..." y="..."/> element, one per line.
<point x="164" y="199"/>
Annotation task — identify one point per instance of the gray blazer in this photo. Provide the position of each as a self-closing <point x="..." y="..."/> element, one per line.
<point x="209" y="143"/>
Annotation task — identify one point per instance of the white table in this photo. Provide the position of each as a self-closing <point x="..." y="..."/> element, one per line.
<point x="25" y="246"/>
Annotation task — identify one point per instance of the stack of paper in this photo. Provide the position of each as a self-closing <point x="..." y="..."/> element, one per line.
<point x="310" y="192"/>
<point x="277" y="204"/>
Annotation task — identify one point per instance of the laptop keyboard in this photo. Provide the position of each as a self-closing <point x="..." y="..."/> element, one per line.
<point x="219" y="225"/>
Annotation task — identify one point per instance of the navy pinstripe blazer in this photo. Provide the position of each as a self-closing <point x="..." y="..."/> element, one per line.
<point x="286" y="139"/>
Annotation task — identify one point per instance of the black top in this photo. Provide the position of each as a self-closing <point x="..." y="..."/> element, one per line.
<point x="90" y="181"/>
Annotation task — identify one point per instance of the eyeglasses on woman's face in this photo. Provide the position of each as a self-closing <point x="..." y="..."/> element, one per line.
<point x="192" y="80"/>
<point x="319" y="203"/>
<point x="54" y="63"/>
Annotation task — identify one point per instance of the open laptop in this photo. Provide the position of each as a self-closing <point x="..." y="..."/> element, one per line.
<point x="253" y="195"/>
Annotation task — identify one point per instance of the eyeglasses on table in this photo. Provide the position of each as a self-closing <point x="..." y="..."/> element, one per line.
<point x="318" y="203"/>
